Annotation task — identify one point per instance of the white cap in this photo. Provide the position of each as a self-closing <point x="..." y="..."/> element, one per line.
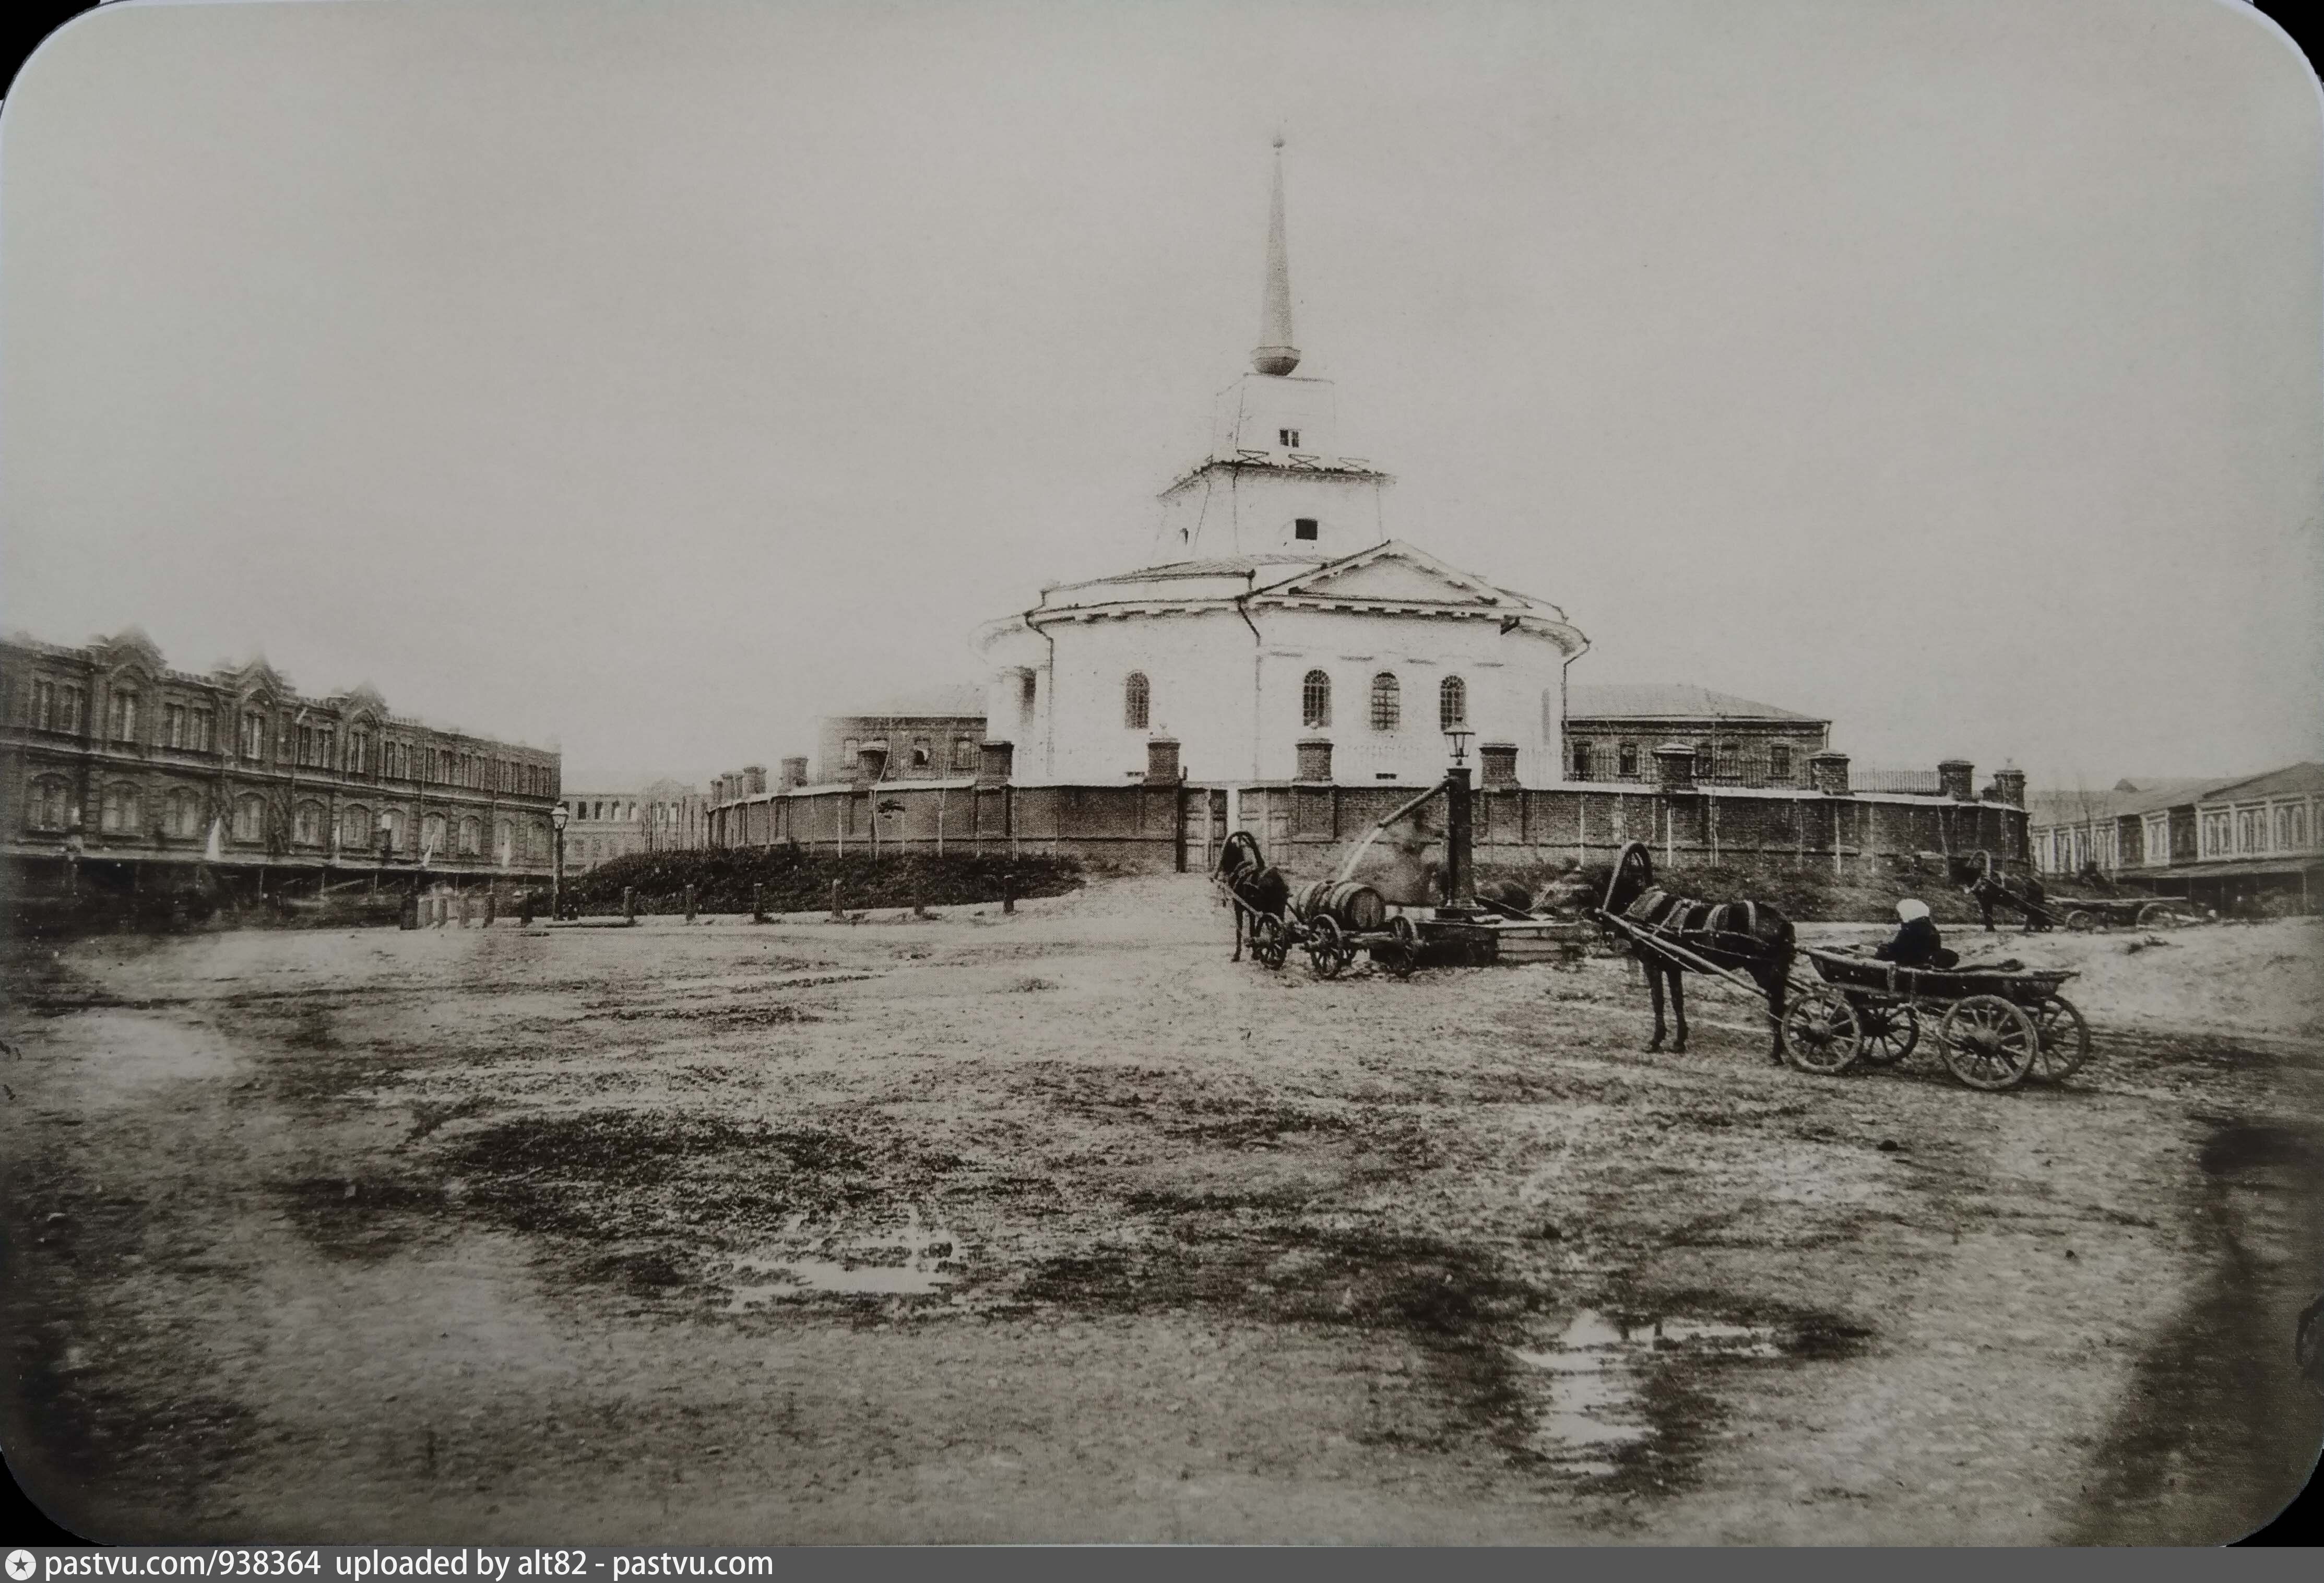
<point x="1909" y="910"/>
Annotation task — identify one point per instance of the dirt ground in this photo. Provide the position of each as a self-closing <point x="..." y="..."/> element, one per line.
<point x="1060" y="1225"/>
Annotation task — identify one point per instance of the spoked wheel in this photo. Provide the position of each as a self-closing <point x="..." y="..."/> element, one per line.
<point x="2065" y="1039"/>
<point x="1328" y="951"/>
<point x="1989" y="1043"/>
<point x="1268" y="942"/>
<point x="1890" y="1033"/>
<point x="2081" y="921"/>
<point x="2308" y="1346"/>
<point x="1400" y="953"/>
<point x="1821" y="1035"/>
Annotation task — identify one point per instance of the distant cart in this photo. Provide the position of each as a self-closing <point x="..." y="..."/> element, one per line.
<point x="1985" y="884"/>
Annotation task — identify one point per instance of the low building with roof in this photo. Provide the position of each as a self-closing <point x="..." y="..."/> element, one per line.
<point x="2220" y="842"/>
<point x="1613" y="728"/>
<point x="926" y="735"/>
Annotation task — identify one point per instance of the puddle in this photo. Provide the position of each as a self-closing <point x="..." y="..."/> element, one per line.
<point x="1595" y="1376"/>
<point x="913" y="1260"/>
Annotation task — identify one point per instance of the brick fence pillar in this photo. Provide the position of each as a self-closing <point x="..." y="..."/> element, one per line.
<point x="1498" y="762"/>
<point x="1829" y="771"/>
<point x="2010" y="783"/>
<point x="995" y="761"/>
<point x="1161" y="760"/>
<point x="1315" y="759"/>
<point x="1957" y="777"/>
<point x="794" y="773"/>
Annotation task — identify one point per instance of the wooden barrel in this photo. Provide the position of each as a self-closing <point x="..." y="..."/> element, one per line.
<point x="1354" y="905"/>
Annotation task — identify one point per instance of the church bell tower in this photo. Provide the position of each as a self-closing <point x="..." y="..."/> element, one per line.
<point x="1274" y="483"/>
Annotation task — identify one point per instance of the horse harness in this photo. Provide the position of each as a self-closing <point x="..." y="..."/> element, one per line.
<point x="1712" y="929"/>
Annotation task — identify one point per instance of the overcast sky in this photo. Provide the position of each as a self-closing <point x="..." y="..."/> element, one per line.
<point x="652" y="379"/>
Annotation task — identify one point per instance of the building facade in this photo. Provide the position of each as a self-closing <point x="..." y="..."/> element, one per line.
<point x="1612" y="730"/>
<point x="109" y="756"/>
<point x="2217" y="842"/>
<point x="928" y="736"/>
<point x="662" y="815"/>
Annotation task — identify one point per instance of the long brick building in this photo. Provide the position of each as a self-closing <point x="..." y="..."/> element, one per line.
<point x="112" y="764"/>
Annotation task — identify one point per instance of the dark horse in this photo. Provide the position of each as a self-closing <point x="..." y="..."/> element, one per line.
<point x="1259" y="887"/>
<point x="1989" y="885"/>
<point x="1748" y="938"/>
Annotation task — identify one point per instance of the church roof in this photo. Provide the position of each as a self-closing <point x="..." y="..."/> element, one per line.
<point x="1224" y="565"/>
<point x="1668" y="701"/>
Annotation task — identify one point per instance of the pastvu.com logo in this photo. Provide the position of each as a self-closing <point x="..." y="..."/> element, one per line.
<point x="21" y="1564"/>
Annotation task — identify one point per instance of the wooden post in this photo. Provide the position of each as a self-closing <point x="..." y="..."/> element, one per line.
<point x="629" y="903"/>
<point x="836" y="913"/>
<point x="757" y="903"/>
<point x="689" y="903"/>
<point x="492" y="907"/>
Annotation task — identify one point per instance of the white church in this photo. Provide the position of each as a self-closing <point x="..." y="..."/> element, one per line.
<point x="1287" y="635"/>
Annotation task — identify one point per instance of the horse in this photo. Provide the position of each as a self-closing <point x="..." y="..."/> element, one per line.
<point x="1259" y="887"/>
<point x="1987" y="884"/>
<point x="1747" y="936"/>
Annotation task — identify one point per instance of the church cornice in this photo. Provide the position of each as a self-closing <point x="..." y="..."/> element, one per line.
<point x="1353" y="469"/>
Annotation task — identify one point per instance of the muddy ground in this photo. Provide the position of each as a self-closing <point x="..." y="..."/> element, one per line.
<point x="1060" y="1225"/>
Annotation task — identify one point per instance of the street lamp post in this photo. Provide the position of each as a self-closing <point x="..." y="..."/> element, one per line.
<point x="557" y="815"/>
<point x="1459" y="879"/>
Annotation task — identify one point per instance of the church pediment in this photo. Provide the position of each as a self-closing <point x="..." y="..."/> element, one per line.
<point x="1391" y="574"/>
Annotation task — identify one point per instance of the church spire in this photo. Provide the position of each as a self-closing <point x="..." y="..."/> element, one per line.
<point x="1275" y="353"/>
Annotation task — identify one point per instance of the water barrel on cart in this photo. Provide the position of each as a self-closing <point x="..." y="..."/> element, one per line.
<point x="1354" y="905"/>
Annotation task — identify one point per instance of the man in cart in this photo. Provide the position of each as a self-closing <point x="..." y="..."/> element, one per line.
<point x="1916" y="943"/>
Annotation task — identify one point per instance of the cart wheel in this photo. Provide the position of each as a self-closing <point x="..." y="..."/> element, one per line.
<point x="1821" y="1035"/>
<point x="2308" y="1346"/>
<point x="2081" y="922"/>
<point x="1401" y="955"/>
<point x="1268" y="942"/>
<point x="1890" y="1032"/>
<point x="1989" y="1043"/>
<point x="2156" y="915"/>
<point x="2065" y="1039"/>
<point x="1327" y="950"/>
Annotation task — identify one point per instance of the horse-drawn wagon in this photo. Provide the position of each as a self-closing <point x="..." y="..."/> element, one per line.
<point x="1991" y="885"/>
<point x="1995" y="1024"/>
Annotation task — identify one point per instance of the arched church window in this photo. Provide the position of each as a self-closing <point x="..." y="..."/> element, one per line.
<point x="1135" y="699"/>
<point x="1386" y="703"/>
<point x="1452" y="704"/>
<point x="1316" y="701"/>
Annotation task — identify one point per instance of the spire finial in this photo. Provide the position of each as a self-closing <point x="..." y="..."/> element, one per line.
<point x="1275" y="353"/>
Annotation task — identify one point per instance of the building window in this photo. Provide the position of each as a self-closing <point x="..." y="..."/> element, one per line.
<point x="1729" y="756"/>
<point x="254" y="736"/>
<point x="923" y="756"/>
<point x="249" y="819"/>
<point x="963" y="752"/>
<point x="1289" y="437"/>
<point x="1580" y="760"/>
<point x="1779" y="762"/>
<point x="432" y="833"/>
<point x="1316" y="699"/>
<point x="1135" y="699"/>
<point x="472" y="837"/>
<point x="1626" y="758"/>
<point x="49" y="803"/>
<point x="390" y="824"/>
<point x="354" y="826"/>
<point x="306" y="824"/>
<point x="182" y="813"/>
<point x="1452" y="704"/>
<point x="121" y="723"/>
<point x="117" y="813"/>
<point x="1303" y="527"/>
<point x="1386" y="702"/>
<point x="44" y="706"/>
